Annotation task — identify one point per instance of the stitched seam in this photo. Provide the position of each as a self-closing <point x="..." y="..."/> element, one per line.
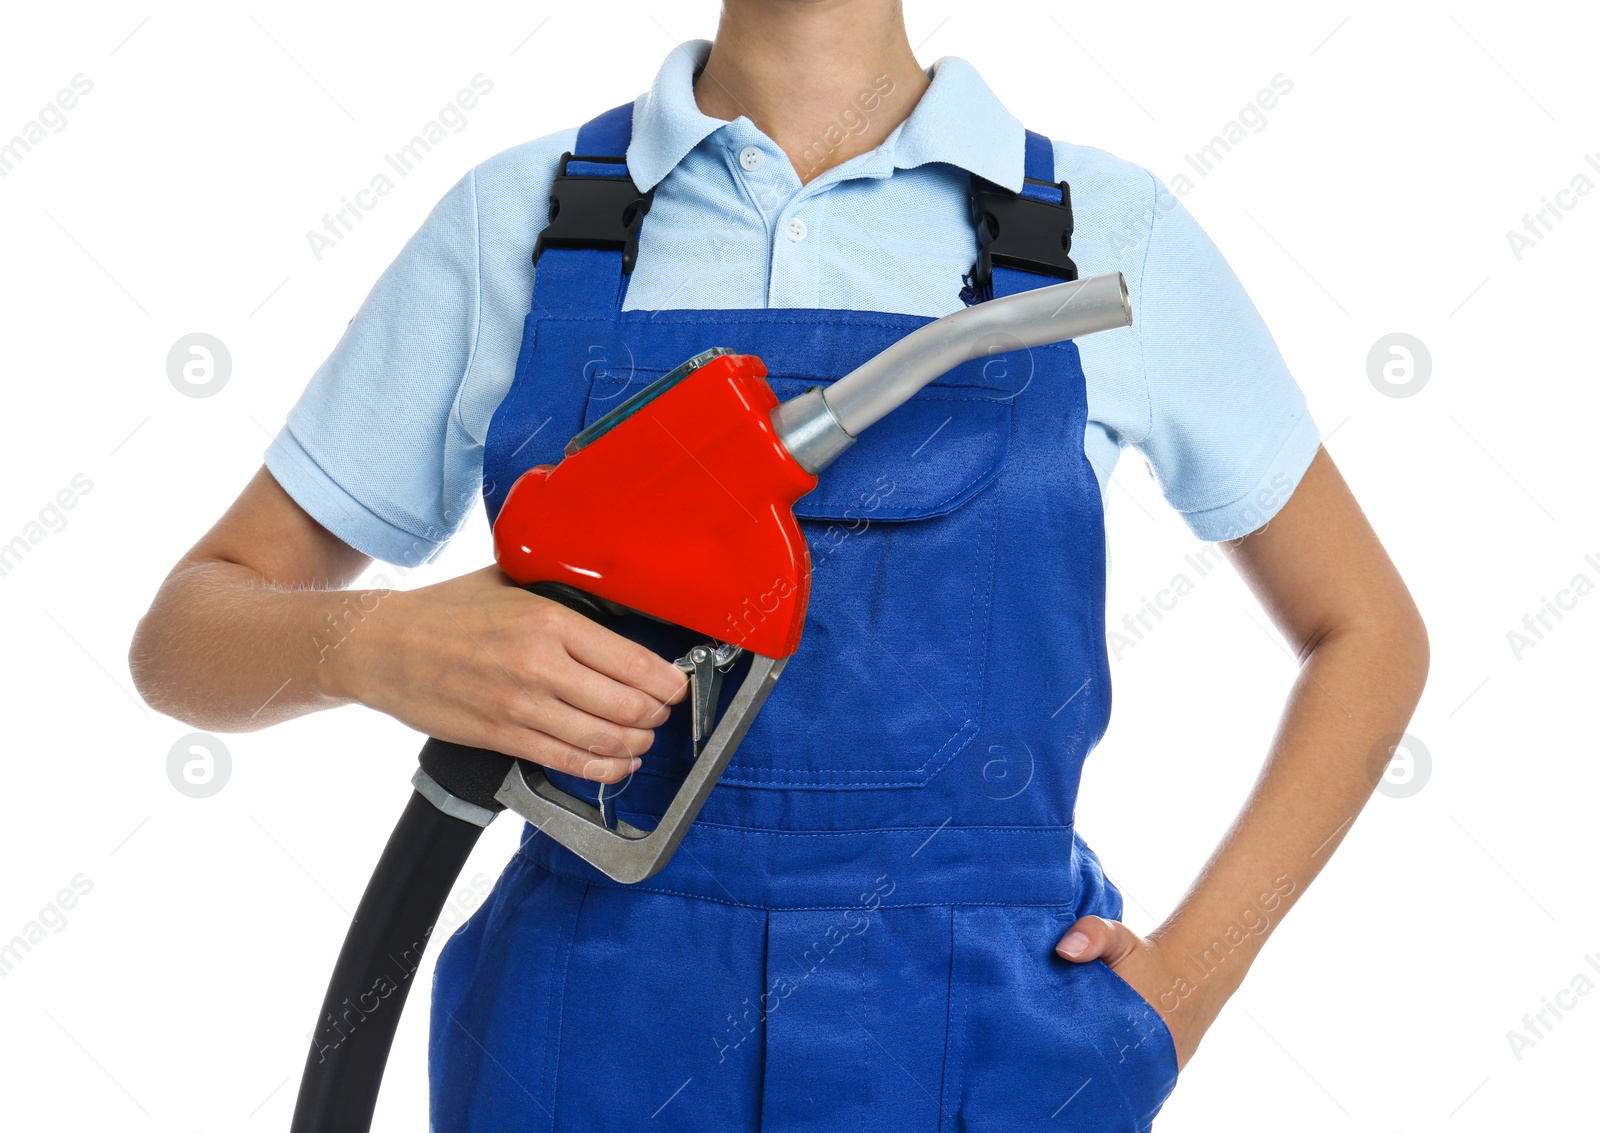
<point x="927" y="393"/>
<point x="914" y="778"/>
<point x="554" y="1059"/>
<point x="519" y="377"/>
<point x="1293" y="432"/>
<point x="790" y="776"/>
<point x="1116" y="1076"/>
<point x="1089" y="482"/>
<point x="763" y="1048"/>
<point x="952" y="501"/>
<point x="477" y="288"/>
<point x="988" y="595"/>
<point x="876" y="832"/>
<point x="863" y="1036"/>
<point x="1138" y="321"/>
<point x="347" y="496"/>
<point x="749" y="315"/>
<point x="641" y="887"/>
<point x="736" y="171"/>
<point x="945" y="1116"/>
<point x="978" y="610"/>
<point x="1160" y="1029"/>
<point x="957" y="1011"/>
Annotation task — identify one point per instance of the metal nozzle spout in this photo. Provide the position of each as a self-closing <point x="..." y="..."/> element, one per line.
<point x="820" y="424"/>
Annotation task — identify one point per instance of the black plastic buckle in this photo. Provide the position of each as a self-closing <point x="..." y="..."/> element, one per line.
<point x="594" y="212"/>
<point x="1021" y="232"/>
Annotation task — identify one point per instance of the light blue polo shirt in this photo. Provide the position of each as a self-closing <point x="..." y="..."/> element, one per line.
<point x="385" y="446"/>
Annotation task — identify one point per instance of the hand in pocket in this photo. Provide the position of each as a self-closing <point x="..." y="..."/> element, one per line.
<point x="1145" y="967"/>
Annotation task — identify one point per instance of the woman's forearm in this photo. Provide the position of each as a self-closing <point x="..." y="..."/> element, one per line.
<point x="224" y="649"/>
<point x="238" y="635"/>
<point x="254" y="626"/>
<point x="1357" y="689"/>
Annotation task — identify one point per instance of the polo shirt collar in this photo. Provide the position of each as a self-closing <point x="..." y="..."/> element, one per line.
<point x="958" y="121"/>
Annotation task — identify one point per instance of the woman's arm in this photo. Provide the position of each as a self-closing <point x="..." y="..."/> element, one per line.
<point x="1325" y="580"/>
<point x="253" y="626"/>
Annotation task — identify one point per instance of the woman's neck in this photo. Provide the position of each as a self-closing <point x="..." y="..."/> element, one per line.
<point x="826" y="79"/>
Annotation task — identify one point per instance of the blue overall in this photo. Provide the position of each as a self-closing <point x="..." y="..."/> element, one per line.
<point x="858" y="932"/>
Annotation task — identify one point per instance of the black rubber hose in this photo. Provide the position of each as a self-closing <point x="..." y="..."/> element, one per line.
<point x="383" y="948"/>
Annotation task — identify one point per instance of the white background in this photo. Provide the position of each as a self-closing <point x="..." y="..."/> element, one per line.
<point x="180" y="990"/>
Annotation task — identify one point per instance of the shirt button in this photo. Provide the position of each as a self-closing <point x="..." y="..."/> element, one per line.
<point x="751" y="157"/>
<point x="795" y="230"/>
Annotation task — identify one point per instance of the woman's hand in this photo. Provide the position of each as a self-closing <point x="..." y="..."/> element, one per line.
<point x="476" y="660"/>
<point x="1150" y="972"/>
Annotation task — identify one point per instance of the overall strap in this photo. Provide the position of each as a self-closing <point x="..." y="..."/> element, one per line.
<point x="1024" y="238"/>
<point x="1039" y="163"/>
<point x="586" y="251"/>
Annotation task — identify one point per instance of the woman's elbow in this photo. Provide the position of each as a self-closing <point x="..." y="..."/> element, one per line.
<point x="1393" y="636"/>
<point x="1412" y="645"/>
<point x="160" y="658"/>
<point x="149" y="662"/>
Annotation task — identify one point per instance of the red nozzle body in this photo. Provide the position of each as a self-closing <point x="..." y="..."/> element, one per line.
<point x="684" y="510"/>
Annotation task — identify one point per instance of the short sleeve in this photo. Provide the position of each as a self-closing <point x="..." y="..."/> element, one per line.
<point x="367" y="450"/>
<point x="1229" y="434"/>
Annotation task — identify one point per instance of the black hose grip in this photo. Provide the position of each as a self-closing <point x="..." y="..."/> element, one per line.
<point x="471" y="774"/>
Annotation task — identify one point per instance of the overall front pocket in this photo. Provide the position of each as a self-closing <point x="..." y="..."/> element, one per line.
<point x="1037" y="1041"/>
<point x="889" y="679"/>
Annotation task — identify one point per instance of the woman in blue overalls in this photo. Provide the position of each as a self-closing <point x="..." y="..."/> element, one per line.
<point x="864" y="908"/>
<point x="883" y="917"/>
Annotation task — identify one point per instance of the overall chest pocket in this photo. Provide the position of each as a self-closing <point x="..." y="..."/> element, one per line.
<point x="889" y="680"/>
